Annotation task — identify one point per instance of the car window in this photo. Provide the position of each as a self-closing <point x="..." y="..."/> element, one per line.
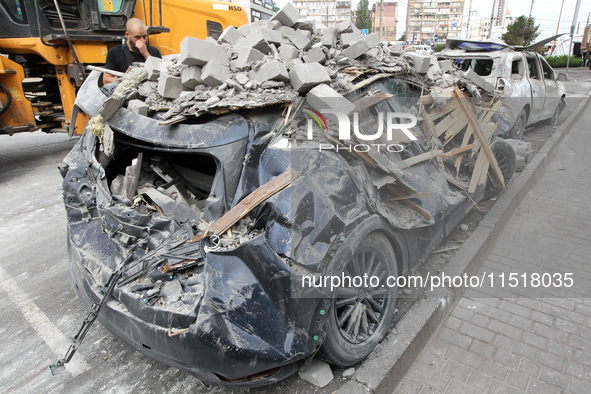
<point x="517" y="70"/>
<point x="482" y="67"/>
<point x="547" y="70"/>
<point x="534" y="72"/>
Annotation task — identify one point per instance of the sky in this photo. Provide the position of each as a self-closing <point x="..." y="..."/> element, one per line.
<point x="545" y="12"/>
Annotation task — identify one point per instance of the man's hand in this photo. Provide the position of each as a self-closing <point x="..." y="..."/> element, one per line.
<point x="141" y="45"/>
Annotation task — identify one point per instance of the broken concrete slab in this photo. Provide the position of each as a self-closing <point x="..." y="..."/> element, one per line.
<point x="265" y="24"/>
<point x="241" y="78"/>
<point x="230" y="35"/>
<point x="138" y="106"/>
<point x="285" y="31"/>
<point x="169" y="86"/>
<point x="246" y="56"/>
<point x="421" y="63"/>
<point x="270" y="71"/>
<point x="245" y="29"/>
<point x="396" y="49"/>
<point x="305" y="25"/>
<point x="214" y="73"/>
<point x="372" y="40"/>
<point x="288" y="52"/>
<point x="152" y="65"/>
<point x="315" y="55"/>
<point x="304" y="77"/>
<point x="329" y="37"/>
<point x="196" y="52"/>
<point x="479" y="81"/>
<point x="348" y="39"/>
<point x="191" y="77"/>
<point x="254" y="40"/>
<point x="445" y="65"/>
<point x="110" y="106"/>
<point x="272" y="36"/>
<point x="287" y="15"/>
<point x="318" y="373"/>
<point x="300" y="40"/>
<point x="324" y="97"/>
<point x="346" y="27"/>
<point x="357" y="49"/>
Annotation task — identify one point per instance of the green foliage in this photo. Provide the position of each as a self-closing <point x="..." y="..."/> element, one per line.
<point x="363" y="19"/>
<point x="560" y="61"/>
<point x="438" y="47"/>
<point x="521" y="32"/>
<point x="402" y="37"/>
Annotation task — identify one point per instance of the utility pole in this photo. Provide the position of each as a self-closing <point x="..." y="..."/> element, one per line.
<point x="492" y="17"/>
<point x="531" y="8"/>
<point x="557" y="26"/>
<point x="572" y="33"/>
<point x="381" y="18"/>
<point x="469" y="14"/>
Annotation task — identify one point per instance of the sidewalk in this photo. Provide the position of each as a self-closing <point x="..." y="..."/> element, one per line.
<point x="536" y="342"/>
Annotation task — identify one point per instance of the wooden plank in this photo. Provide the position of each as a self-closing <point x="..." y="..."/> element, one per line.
<point x="251" y="201"/>
<point x="479" y="173"/>
<point x="453" y="180"/>
<point x="411" y="161"/>
<point x="459" y="150"/>
<point x="485" y="147"/>
<point x="447" y="122"/>
<point x="369" y="80"/>
<point x="428" y="126"/>
<point x="444" y="109"/>
<point x="455" y="129"/>
<point x="369" y="101"/>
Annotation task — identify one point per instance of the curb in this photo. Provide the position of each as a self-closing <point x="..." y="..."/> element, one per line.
<point x="386" y="367"/>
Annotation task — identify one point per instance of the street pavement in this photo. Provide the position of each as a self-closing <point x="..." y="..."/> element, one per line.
<point x="535" y="340"/>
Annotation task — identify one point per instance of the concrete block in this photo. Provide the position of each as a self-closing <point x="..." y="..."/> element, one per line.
<point x="305" y="25"/>
<point x="287" y="15"/>
<point x="373" y="52"/>
<point x="304" y="77"/>
<point x="270" y="71"/>
<point x="356" y="50"/>
<point x="169" y="86"/>
<point x="110" y="106"/>
<point x="196" y="52"/>
<point x="300" y="40"/>
<point x="346" y="27"/>
<point x="372" y="40"/>
<point x="138" y="106"/>
<point x="241" y="78"/>
<point x="325" y="97"/>
<point x="246" y="56"/>
<point x="348" y="39"/>
<point x="421" y="63"/>
<point x="272" y="36"/>
<point x="254" y="40"/>
<point x="191" y="77"/>
<point x="292" y="63"/>
<point x="329" y="37"/>
<point x="396" y="49"/>
<point x="230" y="35"/>
<point x="152" y="65"/>
<point x="288" y="52"/>
<point x="147" y="87"/>
<point x="245" y="29"/>
<point x="315" y="55"/>
<point x="272" y="84"/>
<point x="214" y="73"/>
<point x="446" y="66"/>
<point x="285" y="31"/>
<point x="479" y="81"/>
<point x="265" y="24"/>
<point x="318" y="373"/>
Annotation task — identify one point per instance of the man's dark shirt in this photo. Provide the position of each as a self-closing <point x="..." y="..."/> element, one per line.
<point x="119" y="58"/>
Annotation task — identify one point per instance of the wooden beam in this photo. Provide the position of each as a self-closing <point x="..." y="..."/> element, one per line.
<point x="411" y="161"/>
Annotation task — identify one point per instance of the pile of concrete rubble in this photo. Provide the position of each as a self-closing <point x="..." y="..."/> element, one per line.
<point x="271" y="62"/>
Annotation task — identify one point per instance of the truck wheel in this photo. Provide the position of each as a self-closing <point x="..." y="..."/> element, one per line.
<point x="554" y="119"/>
<point x="518" y="128"/>
<point x="4" y="105"/>
<point x="506" y="159"/>
<point x="360" y="316"/>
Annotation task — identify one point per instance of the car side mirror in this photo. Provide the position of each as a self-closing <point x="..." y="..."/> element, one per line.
<point x="562" y="77"/>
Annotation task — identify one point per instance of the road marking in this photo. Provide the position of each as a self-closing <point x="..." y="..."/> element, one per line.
<point x="45" y="329"/>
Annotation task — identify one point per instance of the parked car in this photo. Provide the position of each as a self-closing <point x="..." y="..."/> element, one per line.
<point x="231" y="212"/>
<point x="526" y="81"/>
<point x="423" y="49"/>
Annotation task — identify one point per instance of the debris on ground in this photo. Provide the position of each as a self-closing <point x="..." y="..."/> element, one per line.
<point x="318" y="373"/>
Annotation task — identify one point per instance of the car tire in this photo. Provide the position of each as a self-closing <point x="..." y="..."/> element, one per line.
<point x="360" y="317"/>
<point x="518" y="128"/>
<point x="506" y="159"/>
<point x="554" y="119"/>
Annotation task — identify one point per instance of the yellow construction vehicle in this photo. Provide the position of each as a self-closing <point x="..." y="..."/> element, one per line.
<point x="45" y="46"/>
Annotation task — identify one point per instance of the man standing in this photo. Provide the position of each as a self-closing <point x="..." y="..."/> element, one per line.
<point x="135" y="49"/>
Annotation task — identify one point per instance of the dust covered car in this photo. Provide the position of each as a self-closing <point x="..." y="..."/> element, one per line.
<point x="208" y="227"/>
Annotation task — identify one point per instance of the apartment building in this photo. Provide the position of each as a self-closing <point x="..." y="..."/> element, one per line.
<point x="388" y="27"/>
<point x="324" y="13"/>
<point x="428" y="21"/>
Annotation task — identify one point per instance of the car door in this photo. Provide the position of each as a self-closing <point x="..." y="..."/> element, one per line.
<point x="552" y="89"/>
<point x="538" y="88"/>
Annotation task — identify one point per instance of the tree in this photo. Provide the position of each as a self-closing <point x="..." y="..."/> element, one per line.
<point x="521" y="32"/>
<point x="402" y="37"/>
<point x="363" y="19"/>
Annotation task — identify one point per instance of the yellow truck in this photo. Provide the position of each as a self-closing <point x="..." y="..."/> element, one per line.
<point x="45" y="46"/>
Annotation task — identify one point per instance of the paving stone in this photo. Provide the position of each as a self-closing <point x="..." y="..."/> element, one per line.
<point x="214" y="73"/>
<point x="315" y="55"/>
<point x="478" y="380"/>
<point x="554" y="378"/>
<point x="524" y="350"/>
<point x="300" y="40"/>
<point x="480" y="348"/>
<point x="246" y="56"/>
<point x="169" y="86"/>
<point x="480" y="333"/>
<point x="551" y="360"/>
<point x="463" y="356"/>
<point x="504" y="329"/>
<point x="230" y="35"/>
<point x="270" y="71"/>
<point x="152" y="65"/>
<point x="456" y="370"/>
<point x="502" y="342"/>
<point x="459" y="387"/>
<point x="196" y="52"/>
<point x="530" y="368"/>
<point x="518" y="380"/>
<point x="455" y="337"/>
<point x="288" y="15"/>
<point x="496" y="370"/>
<point x="324" y="97"/>
<point x="498" y="387"/>
<point x="304" y="77"/>
<point x="318" y="373"/>
<point x="507" y="358"/>
<point x="191" y="77"/>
